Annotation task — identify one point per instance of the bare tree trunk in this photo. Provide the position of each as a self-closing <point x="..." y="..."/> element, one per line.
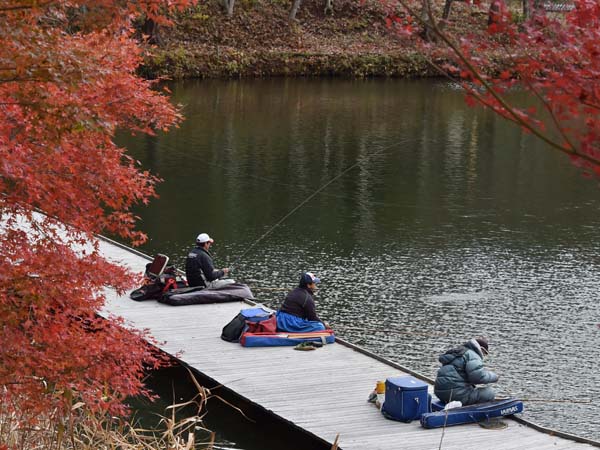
<point x="424" y="15"/>
<point x="447" y="7"/>
<point x="294" y="9"/>
<point x="526" y="9"/>
<point x="228" y="6"/>
<point x="427" y="18"/>
<point x="150" y="29"/>
<point x="530" y="7"/>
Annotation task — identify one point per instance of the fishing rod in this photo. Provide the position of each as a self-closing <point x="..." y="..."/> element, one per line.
<point x="550" y="400"/>
<point x="276" y="289"/>
<point x="389" y="331"/>
<point x="309" y="198"/>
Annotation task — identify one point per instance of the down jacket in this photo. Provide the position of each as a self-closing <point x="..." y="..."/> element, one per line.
<point x="462" y="368"/>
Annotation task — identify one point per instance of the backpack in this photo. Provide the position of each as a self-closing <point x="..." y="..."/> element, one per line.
<point x="156" y="285"/>
<point x="246" y="318"/>
<point x="233" y="330"/>
<point x="150" y="291"/>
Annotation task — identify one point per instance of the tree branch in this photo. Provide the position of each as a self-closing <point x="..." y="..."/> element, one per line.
<point x="547" y="106"/>
<point x="511" y="113"/>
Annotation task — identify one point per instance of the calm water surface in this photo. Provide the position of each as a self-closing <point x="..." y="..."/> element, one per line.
<point x="452" y="224"/>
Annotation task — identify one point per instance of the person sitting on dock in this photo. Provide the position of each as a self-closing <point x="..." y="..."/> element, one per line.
<point x="297" y="313"/>
<point x="462" y="368"/>
<point x="199" y="268"/>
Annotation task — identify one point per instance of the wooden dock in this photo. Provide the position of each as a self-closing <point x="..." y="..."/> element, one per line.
<point x="324" y="392"/>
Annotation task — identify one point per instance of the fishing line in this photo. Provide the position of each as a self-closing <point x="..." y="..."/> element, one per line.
<point x="275" y="182"/>
<point x="548" y="400"/>
<point x="309" y="198"/>
<point x="389" y="331"/>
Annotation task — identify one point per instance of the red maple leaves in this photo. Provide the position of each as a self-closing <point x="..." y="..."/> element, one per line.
<point x="555" y="58"/>
<point x="67" y="82"/>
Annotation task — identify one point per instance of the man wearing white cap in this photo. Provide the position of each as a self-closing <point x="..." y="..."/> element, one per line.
<point x="199" y="267"/>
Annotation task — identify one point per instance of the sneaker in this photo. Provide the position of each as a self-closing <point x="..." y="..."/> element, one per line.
<point x="305" y="346"/>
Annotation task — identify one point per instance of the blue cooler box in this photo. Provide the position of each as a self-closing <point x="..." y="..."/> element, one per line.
<point x="406" y="399"/>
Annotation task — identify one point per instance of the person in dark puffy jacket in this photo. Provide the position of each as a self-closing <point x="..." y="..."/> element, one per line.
<point x="462" y="369"/>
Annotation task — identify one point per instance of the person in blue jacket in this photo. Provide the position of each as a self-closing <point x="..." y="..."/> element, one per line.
<point x="462" y="369"/>
<point x="297" y="313"/>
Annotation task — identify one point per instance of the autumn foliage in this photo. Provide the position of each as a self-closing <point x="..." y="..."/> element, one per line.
<point x="67" y="82"/>
<point x="554" y="57"/>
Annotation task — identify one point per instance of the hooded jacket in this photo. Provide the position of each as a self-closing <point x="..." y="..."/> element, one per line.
<point x="462" y="368"/>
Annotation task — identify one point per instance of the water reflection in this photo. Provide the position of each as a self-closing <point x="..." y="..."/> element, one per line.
<point x="453" y="223"/>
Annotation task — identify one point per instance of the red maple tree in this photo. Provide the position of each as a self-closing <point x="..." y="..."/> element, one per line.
<point x="553" y="57"/>
<point x="67" y="82"/>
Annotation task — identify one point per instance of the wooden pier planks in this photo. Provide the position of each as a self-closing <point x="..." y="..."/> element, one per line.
<point x="322" y="391"/>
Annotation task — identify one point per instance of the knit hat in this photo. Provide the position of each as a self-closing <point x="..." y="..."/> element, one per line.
<point x="483" y="343"/>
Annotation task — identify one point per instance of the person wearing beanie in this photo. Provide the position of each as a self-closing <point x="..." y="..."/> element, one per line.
<point x="297" y="313"/>
<point x="199" y="267"/>
<point x="462" y="369"/>
<point x="483" y="344"/>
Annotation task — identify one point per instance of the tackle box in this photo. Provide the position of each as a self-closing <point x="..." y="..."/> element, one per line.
<point x="406" y="399"/>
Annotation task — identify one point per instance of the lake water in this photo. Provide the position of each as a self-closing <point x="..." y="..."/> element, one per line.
<point x="450" y="223"/>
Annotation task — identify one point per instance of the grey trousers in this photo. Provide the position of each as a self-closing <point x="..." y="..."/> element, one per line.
<point x="218" y="284"/>
<point x="468" y="396"/>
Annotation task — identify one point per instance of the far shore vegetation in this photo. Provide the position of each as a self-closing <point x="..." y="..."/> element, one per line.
<point x="352" y="39"/>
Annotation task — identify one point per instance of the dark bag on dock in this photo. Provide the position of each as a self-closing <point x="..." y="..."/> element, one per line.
<point x="233" y="330"/>
<point x="199" y="295"/>
<point x="248" y="317"/>
<point x="150" y="291"/>
<point x="158" y="279"/>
